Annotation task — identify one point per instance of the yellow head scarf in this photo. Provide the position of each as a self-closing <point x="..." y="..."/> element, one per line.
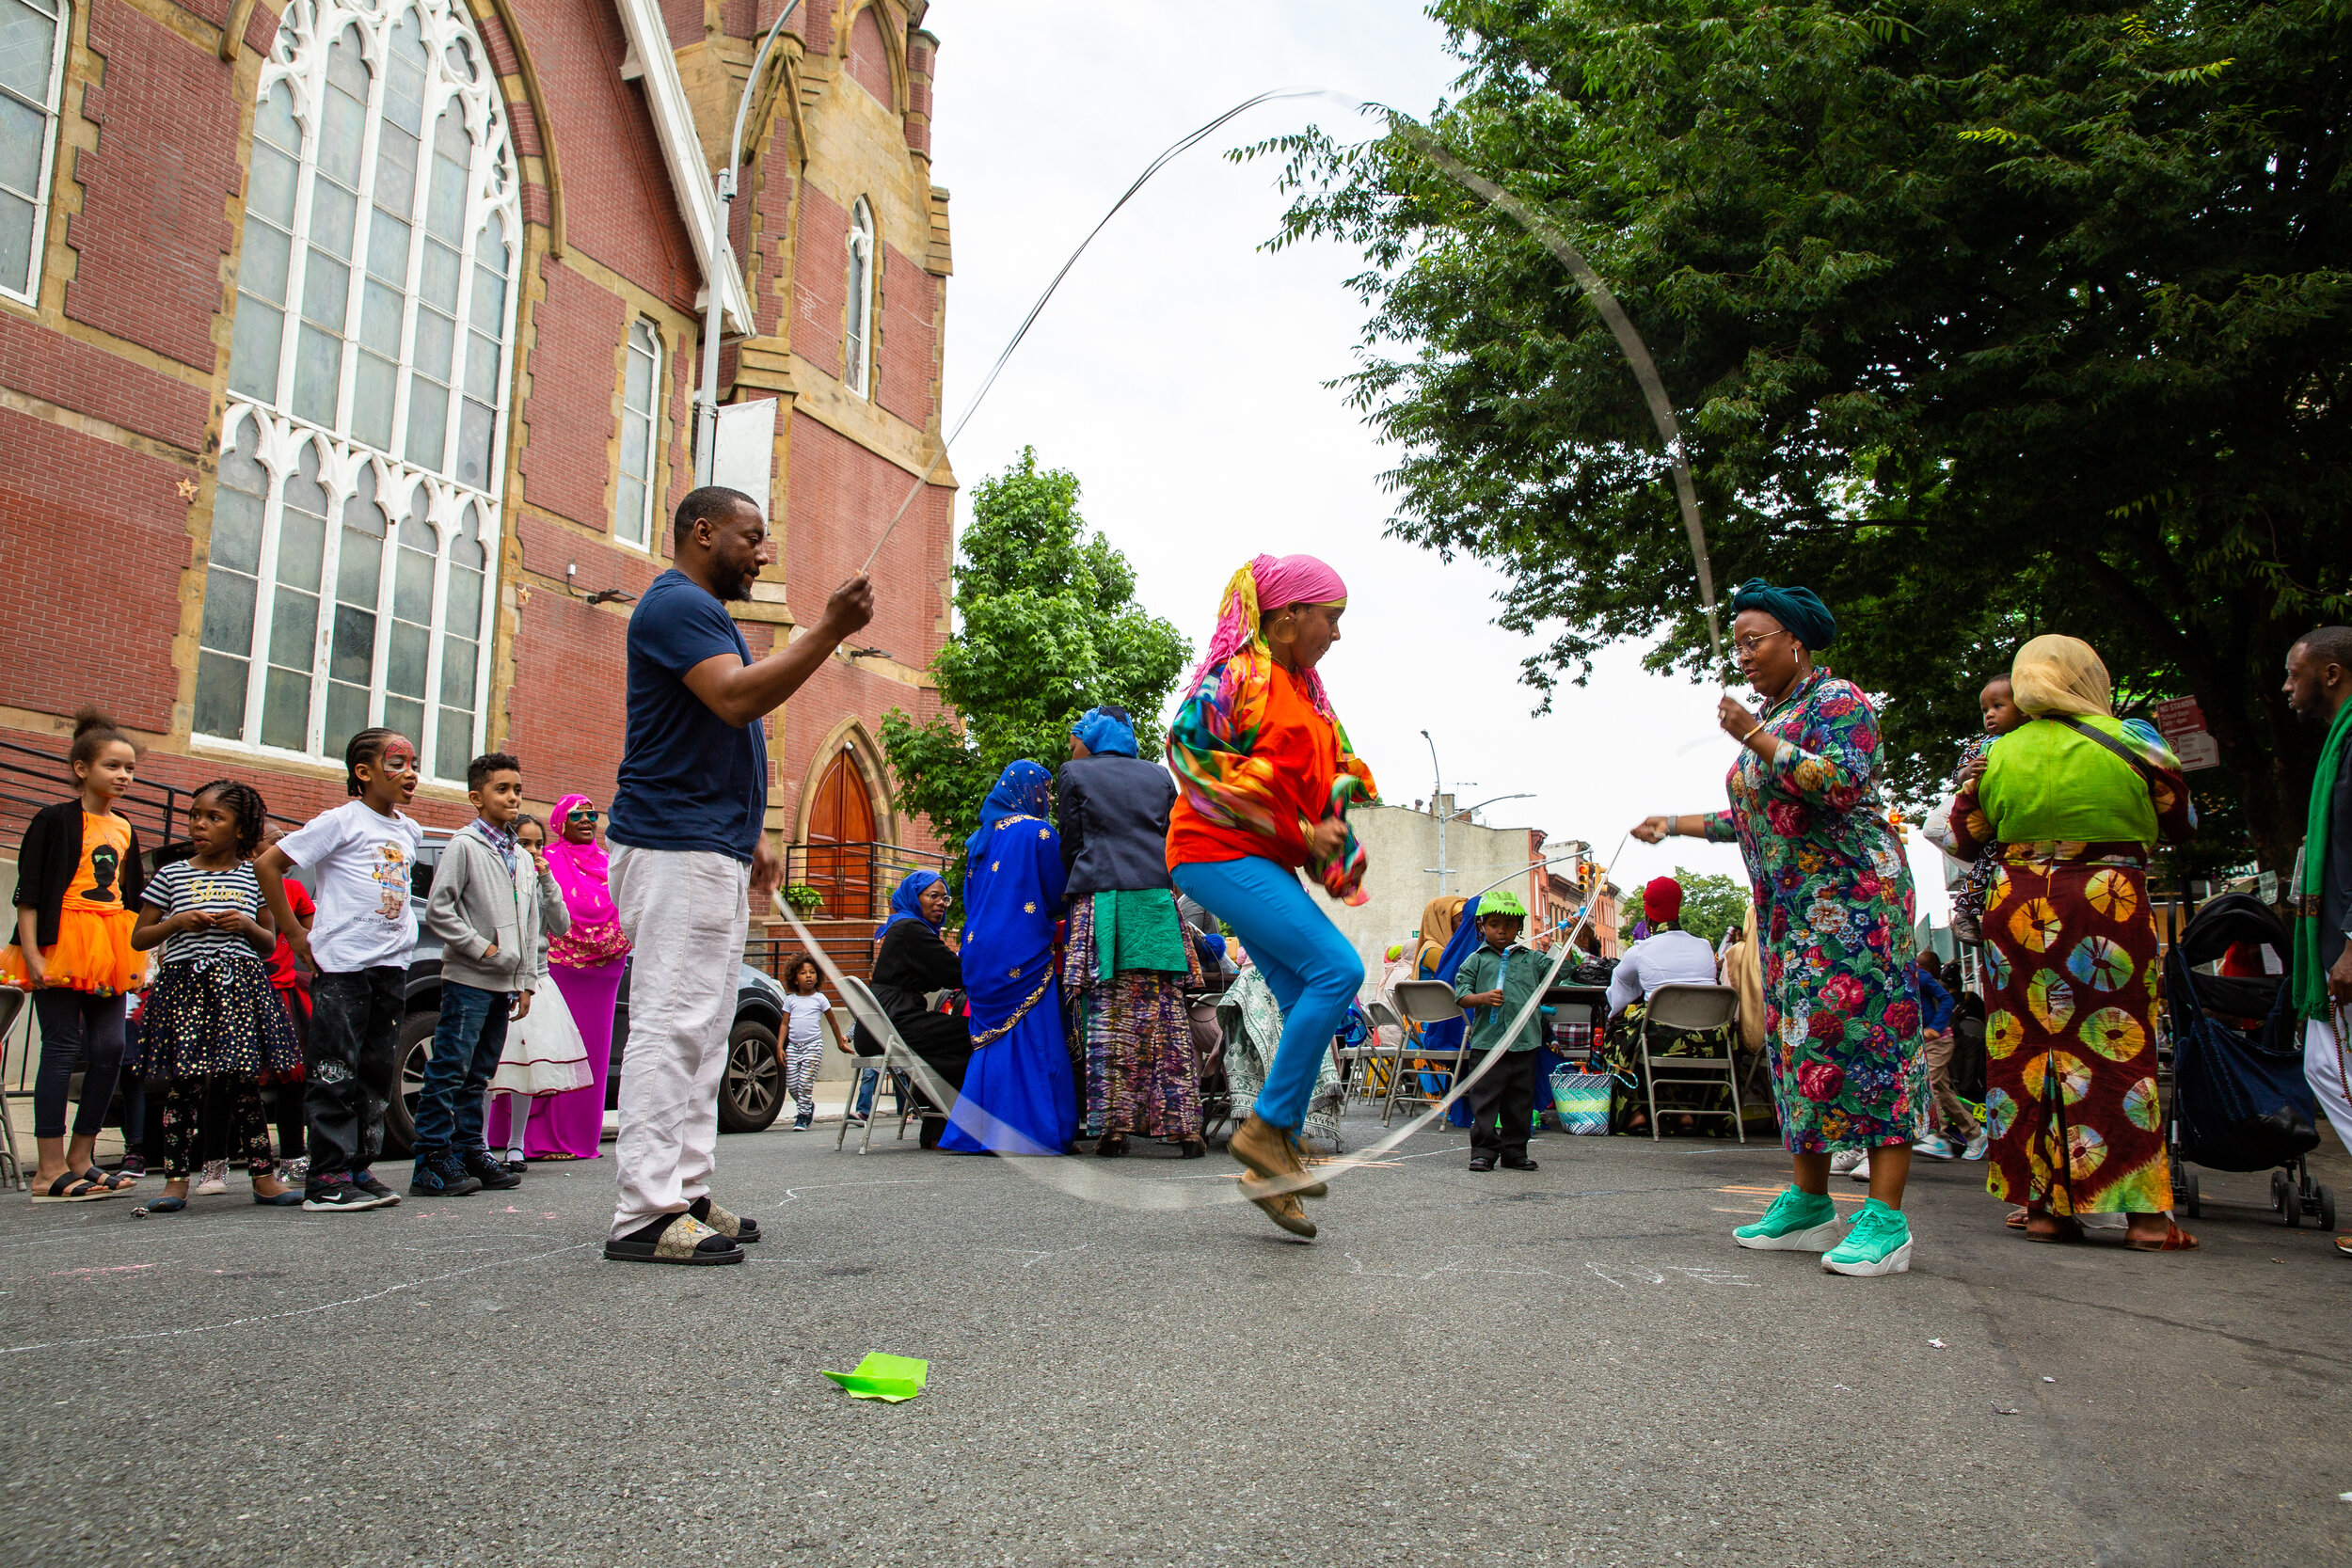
<point x="2056" y="674"/>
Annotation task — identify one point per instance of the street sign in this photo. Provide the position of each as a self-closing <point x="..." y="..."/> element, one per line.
<point x="2197" y="750"/>
<point x="2182" y="716"/>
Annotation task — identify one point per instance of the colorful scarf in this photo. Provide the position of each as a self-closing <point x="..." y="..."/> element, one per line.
<point x="1023" y="789"/>
<point x="1268" y="583"/>
<point x="2308" y="979"/>
<point x="1209" y="747"/>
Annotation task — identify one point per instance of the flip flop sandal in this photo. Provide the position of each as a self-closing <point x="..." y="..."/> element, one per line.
<point x="116" y="1183"/>
<point x="682" y="1241"/>
<point x="2016" y="1220"/>
<point x="71" y="1188"/>
<point x="2175" y="1240"/>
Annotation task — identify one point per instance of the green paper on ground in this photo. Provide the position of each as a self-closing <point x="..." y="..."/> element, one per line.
<point x="884" y="1377"/>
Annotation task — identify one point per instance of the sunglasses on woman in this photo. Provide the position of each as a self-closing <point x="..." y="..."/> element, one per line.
<point x="584" y="814"/>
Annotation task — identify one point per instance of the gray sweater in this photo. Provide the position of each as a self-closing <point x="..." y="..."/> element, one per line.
<point x="475" y="905"/>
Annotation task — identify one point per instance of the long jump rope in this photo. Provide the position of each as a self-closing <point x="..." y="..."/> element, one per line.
<point x="1085" y="1178"/>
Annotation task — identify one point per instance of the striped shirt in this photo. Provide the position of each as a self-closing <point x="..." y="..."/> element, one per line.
<point x="183" y="885"/>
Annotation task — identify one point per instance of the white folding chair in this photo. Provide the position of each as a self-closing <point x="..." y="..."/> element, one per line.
<point x="1424" y="1002"/>
<point x="1692" y="1009"/>
<point x="11" y="1167"/>
<point x="895" y="1058"/>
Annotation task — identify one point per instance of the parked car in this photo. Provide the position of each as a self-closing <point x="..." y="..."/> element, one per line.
<point x="750" y="1096"/>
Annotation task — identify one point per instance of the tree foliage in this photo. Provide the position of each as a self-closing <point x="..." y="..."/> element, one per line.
<point x="1711" y="903"/>
<point x="1983" y="321"/>
<point x="1047" y="626"/>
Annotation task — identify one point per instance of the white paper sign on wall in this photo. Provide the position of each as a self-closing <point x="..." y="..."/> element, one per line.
<point x="743" y="456"/>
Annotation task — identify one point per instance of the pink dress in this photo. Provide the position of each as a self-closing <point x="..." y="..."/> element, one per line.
<point x="586" y="964"/>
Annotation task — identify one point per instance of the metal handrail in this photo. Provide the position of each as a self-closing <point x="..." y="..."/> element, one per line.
<point x="858" y="877"/>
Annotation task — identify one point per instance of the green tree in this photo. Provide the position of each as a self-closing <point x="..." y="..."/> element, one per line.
<point x="1047" y="626"/>
<point x="1983" y="321"/>
<point x="1711" y="904"/>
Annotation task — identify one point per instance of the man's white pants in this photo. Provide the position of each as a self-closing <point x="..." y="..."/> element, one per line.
<point x="2327" y="1069"/>
<point x="686" y="913"/>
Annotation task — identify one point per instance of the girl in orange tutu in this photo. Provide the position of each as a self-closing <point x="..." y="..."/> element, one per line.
<point x="77" y="896"/>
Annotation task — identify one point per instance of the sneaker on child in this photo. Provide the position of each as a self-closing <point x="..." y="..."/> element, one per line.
<point x="215" y="1180"/>
<point x="1843" y="1161"/>
<point x="1976" y="1146"/>
<point x="1860" y="1171"/>
<point x="333" y="1197"/>
<point x="437" y="1173"/>
<point x="1935" y="1145"/>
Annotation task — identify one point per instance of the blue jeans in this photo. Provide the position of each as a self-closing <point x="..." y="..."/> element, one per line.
<point x="466" y="1051"/>
<point x="1310" y="967"/>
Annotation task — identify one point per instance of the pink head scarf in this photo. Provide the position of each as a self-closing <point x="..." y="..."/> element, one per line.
<point x="581" y="870"/>
<point x="1269" y="583"/>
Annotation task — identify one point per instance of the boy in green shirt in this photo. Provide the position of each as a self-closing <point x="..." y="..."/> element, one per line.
<point x="1495" y="983"/>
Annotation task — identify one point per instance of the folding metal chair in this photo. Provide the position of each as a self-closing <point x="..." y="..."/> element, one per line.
<point x="1690" y="1009"/>
<point x="11" y="1167"/>
<point x="1380" y="1063"/>
<point x="892" y="1065"/>
<point x="1424" y="1002"/>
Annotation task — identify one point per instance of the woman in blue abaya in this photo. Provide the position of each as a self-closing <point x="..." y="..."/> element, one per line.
<point x="1018" y="1095"/>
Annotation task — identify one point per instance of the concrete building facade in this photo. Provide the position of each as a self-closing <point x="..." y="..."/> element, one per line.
<point x="346" y="359"/>
<point x="1402" y="847"/>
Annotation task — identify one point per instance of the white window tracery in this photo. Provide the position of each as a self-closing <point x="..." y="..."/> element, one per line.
<point x="641" y="403"/>
<point x="356" y="515"/>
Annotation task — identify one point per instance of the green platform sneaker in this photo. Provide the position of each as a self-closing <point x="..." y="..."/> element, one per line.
<point x="1796" y="1222"/>
<point x="1880" y="1243"/>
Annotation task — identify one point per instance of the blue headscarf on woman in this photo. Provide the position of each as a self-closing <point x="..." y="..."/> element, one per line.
<point x="907" y="902"/>
<point x="1105" y="731"/>
<point x="1022" y="790"/>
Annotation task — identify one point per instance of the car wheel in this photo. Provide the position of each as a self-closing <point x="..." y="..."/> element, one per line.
<point x="400" y="1116"/>
<point x="752" y="1091"/>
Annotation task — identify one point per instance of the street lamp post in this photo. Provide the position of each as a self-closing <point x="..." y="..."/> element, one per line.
<point x="1436" y="803"/>
<point x="722" y="245"/>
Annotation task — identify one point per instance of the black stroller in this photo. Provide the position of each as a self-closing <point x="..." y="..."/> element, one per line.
<point x="2239" y="1100"/>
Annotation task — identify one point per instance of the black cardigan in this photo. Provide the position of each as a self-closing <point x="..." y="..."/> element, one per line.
<point x="1112" y="811"/>
<point x="52" y="852"/>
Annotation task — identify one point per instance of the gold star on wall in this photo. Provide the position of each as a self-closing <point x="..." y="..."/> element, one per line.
<point x="187" y="489"/>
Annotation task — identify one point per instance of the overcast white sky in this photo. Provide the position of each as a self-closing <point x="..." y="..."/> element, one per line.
<point x="1179" y="374"/>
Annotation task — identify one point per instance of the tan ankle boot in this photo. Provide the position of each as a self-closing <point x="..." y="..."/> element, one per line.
<point x="1285" y="1210"/>
<point x="1273" y="1153"/>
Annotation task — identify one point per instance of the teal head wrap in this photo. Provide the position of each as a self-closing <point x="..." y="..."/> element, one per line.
<point x="1796" y="608"/>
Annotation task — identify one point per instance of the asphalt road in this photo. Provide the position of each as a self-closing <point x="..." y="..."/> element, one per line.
<point x="1569" y="1366"/>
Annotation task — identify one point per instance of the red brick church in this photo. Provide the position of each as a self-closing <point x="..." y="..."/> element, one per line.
<point x="346" y="360"/>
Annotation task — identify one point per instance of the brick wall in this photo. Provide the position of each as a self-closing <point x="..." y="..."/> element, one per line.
<point x="908" y="361"/>
<point x="820" y="280"/>
<point x="570" y="715"/>
<point x="869" y="56"/>
<point x="75" y="375"/>
<point x="617" y="203"/>
<point x="841" y="495"/>
<point x="97" y="537"/>
<point x="568" y="415"/>
<point x="152" y="228"/>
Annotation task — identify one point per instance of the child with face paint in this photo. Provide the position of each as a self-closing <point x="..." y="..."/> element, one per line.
<point x="361" y="855"/>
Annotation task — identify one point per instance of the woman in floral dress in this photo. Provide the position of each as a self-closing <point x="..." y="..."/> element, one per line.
<point x="1833" y="902"/>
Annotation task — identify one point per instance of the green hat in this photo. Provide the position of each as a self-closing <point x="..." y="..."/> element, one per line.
<point x="1505" y="902"/>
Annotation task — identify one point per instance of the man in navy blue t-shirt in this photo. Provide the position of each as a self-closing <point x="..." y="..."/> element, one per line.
<point x="690" y="851"/>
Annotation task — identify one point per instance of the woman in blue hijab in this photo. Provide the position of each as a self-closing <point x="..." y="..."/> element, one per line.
<point x="913" y="964"/>
<point x="1018" y="1097"/>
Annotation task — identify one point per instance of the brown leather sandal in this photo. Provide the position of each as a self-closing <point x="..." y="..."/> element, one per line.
<point x="2175" y="1240"/>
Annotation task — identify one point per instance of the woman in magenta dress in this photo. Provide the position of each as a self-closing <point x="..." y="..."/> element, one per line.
<point x="586" y="964"/>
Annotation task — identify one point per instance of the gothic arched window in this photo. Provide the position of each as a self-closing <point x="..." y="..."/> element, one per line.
<point x="367" y="375"/>
<point x="861" y="324"/>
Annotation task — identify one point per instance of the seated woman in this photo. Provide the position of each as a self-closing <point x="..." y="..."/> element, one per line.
<point x="1017" y="1096"/>
<point x="914" y="962"/>
<point x="1669" y="956"/>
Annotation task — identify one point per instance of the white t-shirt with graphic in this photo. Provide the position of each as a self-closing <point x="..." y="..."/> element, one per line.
<point x="360" y="864"/>
<point x="803" y="1017"/>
